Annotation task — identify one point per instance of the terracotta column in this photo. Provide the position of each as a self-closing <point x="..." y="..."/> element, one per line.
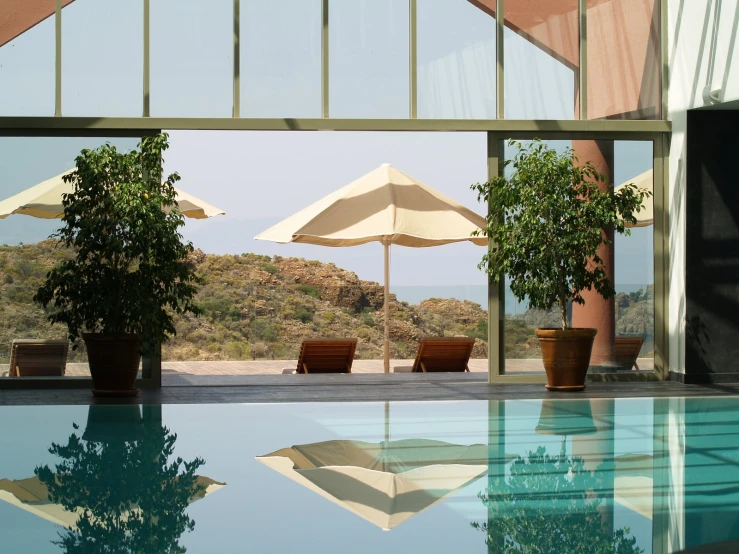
<point x="597" y="312"/>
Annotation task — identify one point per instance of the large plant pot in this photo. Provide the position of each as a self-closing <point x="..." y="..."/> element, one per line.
<point x="566" y="356"/>
<point x="114" y="362"/>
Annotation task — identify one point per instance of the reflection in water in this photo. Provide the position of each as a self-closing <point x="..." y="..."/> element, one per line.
<point x="116" y="488"/>
<point x="385" y="483"/>
<point x="551" y="504"/>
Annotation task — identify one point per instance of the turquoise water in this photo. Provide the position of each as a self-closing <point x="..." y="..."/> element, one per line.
<point x="593" y="476"/>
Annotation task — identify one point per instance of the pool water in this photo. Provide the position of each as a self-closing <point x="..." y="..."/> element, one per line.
<point x="552" y="476"/>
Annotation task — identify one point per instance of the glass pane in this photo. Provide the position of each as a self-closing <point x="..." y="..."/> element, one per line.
<point x="624" y="59"/>
<point x="456" y="60"/>
<point x="635" y="255"/>
<point x="625" y="324"/>
<point x="102" y="64"/>
<point x="26" y="60"/>
<point x="192" y="58"/>
<point x="261" y="298"/>
<point x="25" y="255"/>
<point x="541" y="59"/>
<point x="281" y="58"/>
<point x="368" y="53"/>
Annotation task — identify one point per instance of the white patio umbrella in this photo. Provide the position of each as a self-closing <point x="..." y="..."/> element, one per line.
<point x="45" y="201"/>
<point x="645" y="216"/>
<point x="386" y="206"/>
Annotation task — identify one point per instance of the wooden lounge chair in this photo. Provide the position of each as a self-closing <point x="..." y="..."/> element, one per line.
<point x="441" y="354"/>
<point x="38" y="357"/>
<point x="326" y="356"/>
<point x="627" y="351"/>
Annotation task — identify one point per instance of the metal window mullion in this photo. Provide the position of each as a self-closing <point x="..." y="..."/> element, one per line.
<point x="499" y="59"/>
<point x="413" y="61"/>
<point x="661" y="259"/>
<point x="237" y="60"/>
<point x="324" y="59"/>
<point x="583" y="69"/>
<point x="496" y="298"/>
<point x="146" y="109"/>
<point x="58" y="59"/>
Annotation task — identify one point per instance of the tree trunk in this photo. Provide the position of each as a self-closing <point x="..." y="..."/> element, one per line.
<point x="562" y="297"/>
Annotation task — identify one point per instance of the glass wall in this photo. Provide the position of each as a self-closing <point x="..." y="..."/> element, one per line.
<point x="630" y="315"/>
<point x="368" y="59"/>
<point x="192" y="58"/>
<point x="26" y="63"/>
<point x="280" y="58"/>
<point x="541" y="59"/>
<point x="624" y="59"/>
<point x="25" y="254"/>
<point x="280" y="67"/>
<point x="456" y="60"/>
<point x="261" y="299"/>
<point x="102" y="58"/>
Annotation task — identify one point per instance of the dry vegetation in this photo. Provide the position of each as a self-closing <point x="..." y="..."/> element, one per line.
<point x="257" y="307"/>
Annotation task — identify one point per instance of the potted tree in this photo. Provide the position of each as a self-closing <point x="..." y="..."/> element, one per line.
<point x="546" y="222"/>
<point x="128" y="273"/>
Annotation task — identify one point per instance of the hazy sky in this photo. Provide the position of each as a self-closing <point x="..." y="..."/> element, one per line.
<point x="261" y="178"/>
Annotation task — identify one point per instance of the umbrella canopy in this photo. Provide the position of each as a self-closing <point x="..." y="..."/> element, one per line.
<point x="45" y="201"/>
<point x="385" y="483"/>
<point x="32" y="496"/>
<point x="645" y="217"/>
<point x="386" y="206"/>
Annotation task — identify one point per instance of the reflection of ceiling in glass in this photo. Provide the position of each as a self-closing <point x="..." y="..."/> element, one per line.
<point x="623" y="48"/>
<point x="17" y="16"/>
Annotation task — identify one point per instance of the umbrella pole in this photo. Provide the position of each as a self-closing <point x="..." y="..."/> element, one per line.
<point x="386" y="307"/>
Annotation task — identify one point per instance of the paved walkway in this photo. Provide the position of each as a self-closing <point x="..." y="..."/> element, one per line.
<point x="275" y="367"/>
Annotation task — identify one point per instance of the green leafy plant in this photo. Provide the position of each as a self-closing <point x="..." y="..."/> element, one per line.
<point x="547" y="222"/>
<point x="549" y="505"/>
<point x="309" y="290"/>
<point x="129" y="272"/>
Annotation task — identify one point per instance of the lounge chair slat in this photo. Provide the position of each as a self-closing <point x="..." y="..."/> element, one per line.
<point x="443" y="354"/>
<point x="627" y="350"/>
<point x="326" y="355"/>
<point x="38" y="357"/>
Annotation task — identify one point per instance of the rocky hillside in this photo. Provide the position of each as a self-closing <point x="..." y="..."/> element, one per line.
<point x="255" y="307"/>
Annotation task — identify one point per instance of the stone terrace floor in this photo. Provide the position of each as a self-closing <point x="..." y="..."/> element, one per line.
<point x="275" y="367"/>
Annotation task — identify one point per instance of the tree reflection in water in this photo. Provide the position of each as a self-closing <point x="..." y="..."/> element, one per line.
<point x="129" y="495"/>
<point x="550" y="505"/>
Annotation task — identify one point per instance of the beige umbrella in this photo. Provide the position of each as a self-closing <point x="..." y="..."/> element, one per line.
<point x="45" y="201"/>
<point x="32" y="496"/>
<point x="644" y="217"/>
<point x="386" y="206"/>
<point x="385" y="483"/>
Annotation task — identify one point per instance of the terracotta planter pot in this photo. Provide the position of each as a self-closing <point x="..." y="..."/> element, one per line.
<point x="114" y="362"/>
<point x="566" y="356"/>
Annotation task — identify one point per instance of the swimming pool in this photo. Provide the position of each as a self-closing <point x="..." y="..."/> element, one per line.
<point x="651" y="475"/>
